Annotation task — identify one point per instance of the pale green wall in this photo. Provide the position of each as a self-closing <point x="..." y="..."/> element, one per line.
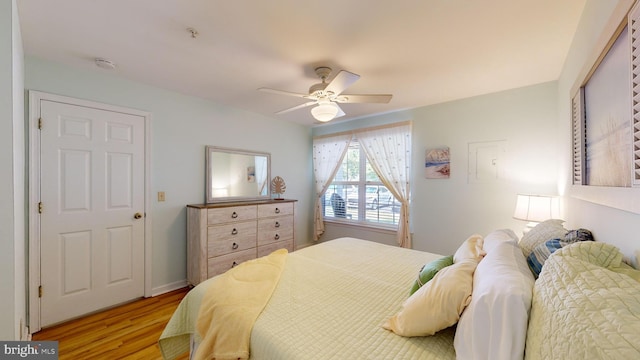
<point x="445" y="212"/>
<point x="181" y="127"/>
<point x="7" y="258"/>
<point x="19" y="182"/>
<point x="12" y="183"/>
<point x="608" y="224"/>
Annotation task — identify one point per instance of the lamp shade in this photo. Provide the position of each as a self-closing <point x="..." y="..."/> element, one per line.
<point x="324" y="111"/>
<point x="537" y="208"/>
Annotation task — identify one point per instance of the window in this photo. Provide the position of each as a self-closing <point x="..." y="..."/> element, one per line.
<point x="357" y="194"/>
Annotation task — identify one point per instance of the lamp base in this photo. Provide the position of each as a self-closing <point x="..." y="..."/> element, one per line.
<point x="530" y="225"/>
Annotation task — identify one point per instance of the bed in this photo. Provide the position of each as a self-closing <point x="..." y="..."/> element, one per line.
<point x="331" y="301"/>
<point x="334" y="300"/>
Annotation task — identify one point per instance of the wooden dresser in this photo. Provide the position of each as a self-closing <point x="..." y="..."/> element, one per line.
<point x="222" y="235"/>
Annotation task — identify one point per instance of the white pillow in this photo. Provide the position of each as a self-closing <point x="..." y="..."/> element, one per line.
<point x="470" y="249"/>
<point x="436" y="305"/>
<point x="499" y="236"/>
<point x="494" y="325"/>
<point x="541" y="233"/>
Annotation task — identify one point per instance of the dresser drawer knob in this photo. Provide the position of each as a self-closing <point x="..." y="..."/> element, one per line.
<point x="277" y="237"/>
<point x="234" y="246"/>
<point x="277" y="211"/>
<point x="234" y="264"/>
<point x="277" y="224"/>
<point x="234" y="215"/>
<point x="234" y="231"/>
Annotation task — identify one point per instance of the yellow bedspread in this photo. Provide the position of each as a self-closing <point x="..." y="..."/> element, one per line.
<point x="586" y="305"/>
<point x="232" y="304"/>
<point x="329" y="303"/>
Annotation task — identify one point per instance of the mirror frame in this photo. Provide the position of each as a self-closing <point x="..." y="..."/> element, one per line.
<point x="209" y="171"/>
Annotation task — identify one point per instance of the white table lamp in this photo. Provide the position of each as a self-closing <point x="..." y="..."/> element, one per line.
<point x="535" y="209"/>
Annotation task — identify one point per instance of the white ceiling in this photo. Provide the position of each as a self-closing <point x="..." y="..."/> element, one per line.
<point x="421" y="51"/>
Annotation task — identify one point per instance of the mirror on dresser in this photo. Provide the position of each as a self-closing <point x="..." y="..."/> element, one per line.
<point x="236" y="175"/>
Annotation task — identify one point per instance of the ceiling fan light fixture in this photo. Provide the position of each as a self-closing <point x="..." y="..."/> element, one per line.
<point x="324" y="111"/>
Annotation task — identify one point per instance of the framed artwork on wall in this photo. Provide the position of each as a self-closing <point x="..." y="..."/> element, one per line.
<point x="607" y="119"/>
<point x="605" y="123"/>
<point x="437" y="163"/>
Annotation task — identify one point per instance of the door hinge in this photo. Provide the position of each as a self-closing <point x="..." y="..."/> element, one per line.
<point x="40" y="123"/>
<point x="40" y="291"/>
<point x="40" y="208"/>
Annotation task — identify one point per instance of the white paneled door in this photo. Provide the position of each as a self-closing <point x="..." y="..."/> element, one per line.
<point x="92" y="209"/>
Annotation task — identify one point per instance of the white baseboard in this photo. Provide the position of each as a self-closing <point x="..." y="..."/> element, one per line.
<point x="169" y="287"/>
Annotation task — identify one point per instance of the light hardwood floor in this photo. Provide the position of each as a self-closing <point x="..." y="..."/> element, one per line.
<point x="130" y="331"/>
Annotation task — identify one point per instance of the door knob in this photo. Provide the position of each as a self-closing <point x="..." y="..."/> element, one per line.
<point x="137" y="215"/>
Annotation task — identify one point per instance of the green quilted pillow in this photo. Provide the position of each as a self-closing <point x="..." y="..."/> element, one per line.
<point x="429" y="270"/>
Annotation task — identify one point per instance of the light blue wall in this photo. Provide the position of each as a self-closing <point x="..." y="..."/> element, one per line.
<point x="181" y="127"/>
<point x="444" y="212"/>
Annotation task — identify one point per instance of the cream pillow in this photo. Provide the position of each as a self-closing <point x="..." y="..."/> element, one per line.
<point x="541" y="233"/>
<point x="470" y="249"/>
<point x="438" y="304"/>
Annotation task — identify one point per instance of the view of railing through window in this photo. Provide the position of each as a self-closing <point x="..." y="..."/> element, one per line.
<point x="357" y="194"/>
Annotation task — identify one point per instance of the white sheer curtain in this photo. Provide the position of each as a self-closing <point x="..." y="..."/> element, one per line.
<point x="328" y="153"/>
<point x="389" y="152"/>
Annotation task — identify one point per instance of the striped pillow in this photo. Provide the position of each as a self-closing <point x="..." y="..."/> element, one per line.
<point x="544" y="231"/>
<point x="541" y="253"/>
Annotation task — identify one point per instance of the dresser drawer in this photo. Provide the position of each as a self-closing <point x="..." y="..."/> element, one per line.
<point x="221" y="234"/>
<point x="232" y="213"/>
<point x="275" y="229"/>
<point x="265" y="250"/>
<point x="266" y="210"/>
<point x="220" y="264"/>
<point x="221" y="238"/>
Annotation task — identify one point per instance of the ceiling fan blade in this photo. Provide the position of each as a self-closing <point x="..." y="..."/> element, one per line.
<point x="296" y="107"/>
<point x="343" y="80"/>
<point x="281" y="92"/>
<point x="373" y="98"/>
<point x="340" y="112"/>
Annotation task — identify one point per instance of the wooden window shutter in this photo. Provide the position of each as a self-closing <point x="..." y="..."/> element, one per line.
<point x="634" y="29"/>
<point x="578" y="124"/>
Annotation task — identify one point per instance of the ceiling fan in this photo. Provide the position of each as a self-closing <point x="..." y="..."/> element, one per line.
<point x="327" y="95"/>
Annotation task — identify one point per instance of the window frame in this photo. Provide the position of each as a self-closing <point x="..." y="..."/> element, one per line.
<point x="362" y="183"/>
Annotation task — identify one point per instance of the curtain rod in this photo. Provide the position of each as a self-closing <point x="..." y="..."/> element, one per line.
<point x="352" y="132"/>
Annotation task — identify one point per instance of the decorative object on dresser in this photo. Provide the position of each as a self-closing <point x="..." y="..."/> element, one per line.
<point x="278" y="186"/>
<point x="221" y="236"/>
